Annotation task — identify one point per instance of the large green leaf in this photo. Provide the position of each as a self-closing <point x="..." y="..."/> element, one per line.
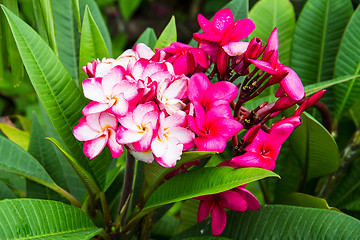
<point x="68" y="36"/>
<point x="316" y="38"/>
<point x="283" y="222"/>
<point x="47" y="15"/>
<point x="16" y="135"/>
<point x="42" y="219"/>
<point x="305" y="200"/>
<point x="5" y="192"/>
<point x="92" y="44"/>
<point x="315" y="148"/>
<point x="268" y="14"/>
<point x="16" y="160"/>
<point x="204" y="181"/>
<point x="58" y="93"/>
<point x="348" y="62"/>
<point x="168" y="35"/>
<point x="42" y="150"/>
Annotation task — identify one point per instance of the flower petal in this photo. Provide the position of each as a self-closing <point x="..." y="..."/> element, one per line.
<point x="222" y="20"/>
<point x="210" y="142"/>
<point x="94" y="147"/>
<point x="197" y="86"/>
<point x="115" y="75"/>
<point x="94" y="107"/>
<point x="235" y="48"/>
<point x="218" y="219"/>
<point x="205" y="207"/>
<point x="233" y="201"/>
<point x="241" y="29"/>
<point x="116" y="149"/>
<point x="93" y="89"/>
<point x="292" y="85"/>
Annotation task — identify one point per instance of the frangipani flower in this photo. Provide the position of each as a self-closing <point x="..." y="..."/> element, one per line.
<point x="139" y="126"/>
<point x="98" y="130"/>
<point x="213" y="129"/>
<point x="112" y="93"/>
<point x="172" y="139"/>
<point x="291" y="84"/>
<point x="237" y="199"/>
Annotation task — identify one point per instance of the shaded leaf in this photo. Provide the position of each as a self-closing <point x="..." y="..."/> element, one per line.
<point x="348" y="62"/>
<point x="128" y="7"/>
<point x="42" y="219"/>
<point x="282" y="222"/>
<point x="315" y="148"/>
<point x="148" y="37"/>
<point x="76" y="8"/>
<point x="315" y="87"/>
<point x="305" y="200"/>
<point x="5" y="192"/>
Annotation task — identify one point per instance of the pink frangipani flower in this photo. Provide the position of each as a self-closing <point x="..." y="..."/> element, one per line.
<point x="98" y="130"/>
<point x="139" y="126"/>
<point x="112" y="93"/>
<point x="237" y="199"/>
<point x="172" y="139"/>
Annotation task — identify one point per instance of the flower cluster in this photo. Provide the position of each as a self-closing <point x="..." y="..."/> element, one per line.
<point x="160" y="104"/>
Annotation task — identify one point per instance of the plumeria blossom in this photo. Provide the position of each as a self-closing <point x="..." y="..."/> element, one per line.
<point x="237" y="199"/>
<point x="139" y="126"/>
<point x="221" y="34"/>
<point x="112" y="93"/>
<point x="172" y="139"/>
<point x="291" y="84"/>
<point x="212" y="128"/>
<point x="184" y="58"/>
<point x="98" y="130"/>
<point x="265" y="147"/>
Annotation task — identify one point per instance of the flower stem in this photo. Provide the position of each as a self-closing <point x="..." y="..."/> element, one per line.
<point x="127" y="186"/>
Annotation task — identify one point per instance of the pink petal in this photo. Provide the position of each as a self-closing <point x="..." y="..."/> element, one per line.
<point x="194" y="127"/>
<point x="144" y="142"/>
<point x="233" y="201"/>
<point x="218" y="219"/>
<point x="83" y="132"/>
<point x="272" y="42"/>
<point x="225" y="127"/>
<point x="250" y="159"/>
<point x="210" y="48"/>
<point x="207" y="37"/>
<point x="93" y="122"/>
<point x="94" y="147"/>
<point x="205" y="24"/>
<point x="108" y="120"/>
<point x="177" y="89"/>
<point x="197" y="86"/>
<point x="235" y="48"/>
<point x="178" y="119"/>
<point x="94" y="107"/>
<point x="292" y="85"/>
<point x="121" y="107"/>
<point x="265" y="66"/>
<point x="172" y="154"/>
<point x="124" y="136"/>
<point x="222" y="20"/>
<point x="277" y="136"/>
<point x="222" y="61"/>
<point x="142" y="109"/>
<point x="241" y="29"/>
<point x="183" y="135"/>
<point x="280" y="92"/>
<point x="220" y="91"/>
<point x="181" y="65"/>
<point x="116" y="149"/>
<point x="200" y="117"/>
<point x="200" y="57"/>
<point x="115" y="75"/>
<point x="93" y="89"/>
<point x="139" y="67"/>
<point x="143" y="51"/>
<point x="210" y="142"/>
<point x="205" y="207"/>
<point x="252" y="202"/>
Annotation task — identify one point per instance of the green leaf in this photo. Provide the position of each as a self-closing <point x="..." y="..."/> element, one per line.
<point x="42" y="150"/>
<point x="16" y="160"/>
<point x="168" y="35"/>
<point x="68" y="35"/>
<point x="17" y="69"/>
<point x="85" y="177"/>
<point x="305" y="200"/>
<point x="154" y="172"/>
<point x="188" y="214"/>
<point x="16" y="135"/>
<point x="76" y="7"/>
<point x="268" y="14"/>
<point x="204" y="181"/>
<point x="148" y="37"/>
<point x="348" y="62"/>
<point x="282" y="222"/>
<point x="96" y="14"/>
<point x="128" y="7"/>
<point x="315" y="87"/>
<point x="5" y="192"/>
<point x="92" y="44"/>
<point x="316" y="38"/>
<point x="57" y="91"/>
<point x="42" y="219"/>
<point x="315" y="148"/>
<point x="47" y="15"/>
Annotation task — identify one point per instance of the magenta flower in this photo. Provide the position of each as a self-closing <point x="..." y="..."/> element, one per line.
<point x="221" y="34"/>
<point x="112" y="93"/>
<point x="291" y="84"/>
<point x="90" y="68"/>
<point x="98" y="130"/>
<point x="185" y="59"/>
<point x="172" y="139"/>
<point x="214" y="127"/>
<point x="139" y="126"/>
<point x="237" y="199"/>
<point x="265" y="147"/>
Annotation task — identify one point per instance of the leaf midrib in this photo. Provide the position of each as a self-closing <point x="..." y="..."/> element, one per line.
<point x="322" y="46"/>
